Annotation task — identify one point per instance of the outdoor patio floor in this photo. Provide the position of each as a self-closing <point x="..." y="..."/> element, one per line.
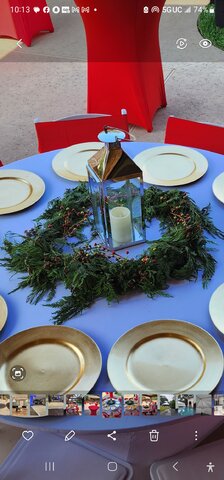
<point x="49" y="81"/>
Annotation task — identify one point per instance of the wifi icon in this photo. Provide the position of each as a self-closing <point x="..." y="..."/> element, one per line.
<point x="155" y="9"/>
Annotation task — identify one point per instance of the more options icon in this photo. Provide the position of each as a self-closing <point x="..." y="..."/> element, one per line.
<point x="181" y="43"/>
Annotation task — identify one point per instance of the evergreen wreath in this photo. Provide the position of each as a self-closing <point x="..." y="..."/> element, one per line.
<point x="57" y="250"/>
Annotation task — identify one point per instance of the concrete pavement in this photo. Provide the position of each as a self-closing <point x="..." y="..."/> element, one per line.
<point x="49" y="80"/>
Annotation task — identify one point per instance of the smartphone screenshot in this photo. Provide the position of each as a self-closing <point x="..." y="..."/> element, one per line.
<point x="111" y="239"/>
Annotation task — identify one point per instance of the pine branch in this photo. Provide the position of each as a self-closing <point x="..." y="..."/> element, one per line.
<point x="45" y="256"/>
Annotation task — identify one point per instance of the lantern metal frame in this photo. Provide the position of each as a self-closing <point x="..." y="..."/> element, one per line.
<point x="116" y="181"/>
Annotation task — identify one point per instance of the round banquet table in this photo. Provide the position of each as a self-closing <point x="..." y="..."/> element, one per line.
<point x="106" y="323"/>
<point x="124" y="61"/>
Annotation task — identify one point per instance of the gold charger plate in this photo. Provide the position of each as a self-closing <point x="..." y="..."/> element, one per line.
<point x="218" y="187"/>
<point x="19" y="189"/>
<point x="3" y="312"/>
<point x="165" y="356"/>
<point x="71" y="162"/>
<point x="171" y="165"/>
<point x="216" y="308"/>
<point x="56" y="360"/>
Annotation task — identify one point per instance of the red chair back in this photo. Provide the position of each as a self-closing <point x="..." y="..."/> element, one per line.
<point x="195" y="134"/>
<point x="66" y="132"/>
<point x="1" y="164"/>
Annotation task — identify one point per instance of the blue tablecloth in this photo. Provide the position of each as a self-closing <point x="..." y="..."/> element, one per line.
<point x="105" y="324"/>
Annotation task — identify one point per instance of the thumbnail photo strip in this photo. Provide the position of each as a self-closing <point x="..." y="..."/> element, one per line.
<point x="110" y="405"/>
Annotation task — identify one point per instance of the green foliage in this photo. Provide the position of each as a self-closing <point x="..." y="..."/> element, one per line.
<point x="208" y="28"/>
<point x="45" y="256"/>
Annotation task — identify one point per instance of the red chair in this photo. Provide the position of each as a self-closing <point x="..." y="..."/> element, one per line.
<point x="78" y="129"/>
<point x="195" y="134"/>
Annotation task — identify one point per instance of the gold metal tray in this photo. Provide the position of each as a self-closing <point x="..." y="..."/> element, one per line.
<point x="216" y="308"/>
<point x="19" y="189"/>
<point x="3" y="312"/>
<point x="71" y="162"/>
<point x="218" y="187"/>
<point x="171" y="165"/>
<point x="165" y="356"/>
<point x="56" y="360"/>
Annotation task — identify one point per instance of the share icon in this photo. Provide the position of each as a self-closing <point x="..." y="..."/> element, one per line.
<point x="111" y="435"/>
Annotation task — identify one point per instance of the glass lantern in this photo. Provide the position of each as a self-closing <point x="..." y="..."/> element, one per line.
<point x="116" y="188"/>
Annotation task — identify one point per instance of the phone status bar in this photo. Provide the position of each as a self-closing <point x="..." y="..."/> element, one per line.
<point x="168" y="8"/>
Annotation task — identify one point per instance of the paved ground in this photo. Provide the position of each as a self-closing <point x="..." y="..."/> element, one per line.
<point x="9" y="436"/>
<point x="38" y="410"/>
<point x="52" y="405"/>
<point x="49" y="80"/>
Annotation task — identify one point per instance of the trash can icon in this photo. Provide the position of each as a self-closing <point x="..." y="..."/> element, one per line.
<point x="154" y="436"/>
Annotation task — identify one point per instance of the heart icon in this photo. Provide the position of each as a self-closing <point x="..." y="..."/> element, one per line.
<point x="27" y="435"/>
<point x="36" y="9"/>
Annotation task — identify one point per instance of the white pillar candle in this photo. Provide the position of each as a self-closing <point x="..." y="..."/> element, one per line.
<point x="120" y="223"/>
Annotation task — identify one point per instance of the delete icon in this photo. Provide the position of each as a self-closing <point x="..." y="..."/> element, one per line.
<point x="154" y="436"/>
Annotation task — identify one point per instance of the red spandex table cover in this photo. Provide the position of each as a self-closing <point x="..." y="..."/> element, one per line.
<point x="124" y="61"/>
<point x="19" y="23"/>
<point x="195" y="134"/>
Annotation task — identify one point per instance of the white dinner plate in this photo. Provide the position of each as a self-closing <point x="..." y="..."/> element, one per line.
<point x="216" y="308"/>
<point x="71" y="162"/>
<point x="218" y="187"/>
<point x="165" y="356"/>
<point x="3" y="312"/>
<point x="171" y="165"/>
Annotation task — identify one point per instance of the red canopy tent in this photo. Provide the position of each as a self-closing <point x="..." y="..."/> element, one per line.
<point x="124" y="61"/>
